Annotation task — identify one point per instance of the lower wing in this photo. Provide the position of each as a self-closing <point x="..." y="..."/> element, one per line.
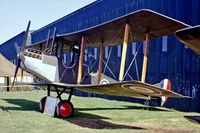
<point x="127" y="88"/>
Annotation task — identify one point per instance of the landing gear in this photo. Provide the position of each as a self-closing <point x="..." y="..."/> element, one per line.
<point x="42" y="104"/>
<point x="64" y="108"/>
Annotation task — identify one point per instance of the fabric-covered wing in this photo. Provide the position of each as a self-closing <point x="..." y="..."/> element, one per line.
<point x="141" y="22"/>
<point x="129" y="89"/>
<point x="190" y="37"/>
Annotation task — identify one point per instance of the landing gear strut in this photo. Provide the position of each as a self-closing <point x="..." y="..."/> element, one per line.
<point x="64" y="108"/>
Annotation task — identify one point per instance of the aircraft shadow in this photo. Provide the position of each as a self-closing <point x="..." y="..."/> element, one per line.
<point x="86" y="120"/>
<point x="101" y="124"/>
<point x="22" y="104"/>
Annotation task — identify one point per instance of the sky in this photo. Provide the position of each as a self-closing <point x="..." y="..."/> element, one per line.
<point x="15" y="14"/>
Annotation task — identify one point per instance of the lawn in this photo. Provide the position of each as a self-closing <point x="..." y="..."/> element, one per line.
<point x="19" y="112"/>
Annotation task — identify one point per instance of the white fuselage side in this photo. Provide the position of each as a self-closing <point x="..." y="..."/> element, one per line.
<point x="44" y="68"/>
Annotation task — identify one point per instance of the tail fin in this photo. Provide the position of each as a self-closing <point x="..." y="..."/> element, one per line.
<point x="166" y="85"/>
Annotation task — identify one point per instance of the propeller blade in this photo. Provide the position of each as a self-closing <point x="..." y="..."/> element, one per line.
<point x="16" y="70"/>
<point x="25" y="37"/>
<point x="23" y="64"/>
<point x="20" y="52"/>
<point x="17" y="48"/>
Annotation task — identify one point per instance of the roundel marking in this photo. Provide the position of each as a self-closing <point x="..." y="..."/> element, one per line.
<point x="104" y="81"/>
<point x="141" y="89"/>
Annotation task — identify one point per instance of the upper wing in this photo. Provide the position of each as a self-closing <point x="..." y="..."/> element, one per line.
<point x="190" y="37"/>
<point x="141" y="22"/>
<point x="129" y="89"/>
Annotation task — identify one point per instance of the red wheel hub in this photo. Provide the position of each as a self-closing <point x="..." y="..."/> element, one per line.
<point x="65" y="110"/>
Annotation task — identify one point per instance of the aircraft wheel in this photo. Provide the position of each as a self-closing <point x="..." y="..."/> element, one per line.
<point x="65" y="109"/>
<point x="42" y="104"/>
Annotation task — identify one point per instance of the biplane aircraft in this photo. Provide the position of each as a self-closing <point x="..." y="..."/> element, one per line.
<point x="46" y="62"/>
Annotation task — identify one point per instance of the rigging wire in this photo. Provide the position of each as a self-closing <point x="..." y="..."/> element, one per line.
<point x="106" y="65"/>
<point x="103" y="61"/>
<point x="133" y="60"/>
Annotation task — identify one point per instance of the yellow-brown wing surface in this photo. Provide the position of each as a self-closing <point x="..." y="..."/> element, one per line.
<point x="190" y="37"/>
<point x="112" y="32"/>
<point x="129" y="89"/>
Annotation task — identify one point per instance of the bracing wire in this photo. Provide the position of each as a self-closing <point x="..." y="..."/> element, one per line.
<point x="106" y="65"/>
<point x="133" y="60"/>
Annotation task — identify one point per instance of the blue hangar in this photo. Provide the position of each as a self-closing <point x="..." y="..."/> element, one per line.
<point x="168" y="58"/>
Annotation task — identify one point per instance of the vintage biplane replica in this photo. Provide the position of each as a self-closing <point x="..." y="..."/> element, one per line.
<point x="46" y="61"/>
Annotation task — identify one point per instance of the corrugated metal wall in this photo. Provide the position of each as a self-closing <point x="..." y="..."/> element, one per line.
<point x="167" y="59"/>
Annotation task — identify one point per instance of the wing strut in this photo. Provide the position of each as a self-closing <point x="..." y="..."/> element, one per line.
<point x="81" y="60"/>
<point x="53" y="41"/>
<point x="100" y="61"/>
<point x="145" y="59"/>
<point x="123" y="58"/>
<point x="48" y="36"/>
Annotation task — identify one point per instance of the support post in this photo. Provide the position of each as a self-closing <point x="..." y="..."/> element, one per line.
<point x="22" y="75"/>
<point x="48" y="90"/>
<point x="124" y="50"/>
<point x="53" y="40"/>
<point x="8" y="84"/>
<point x="100" y="62"/>
<point x="56" y="52"/>
<point x="61" y="50"/>
<point x="144" y="68"/>
<point x="47" y="42"/>
<point x="81" y="59"/>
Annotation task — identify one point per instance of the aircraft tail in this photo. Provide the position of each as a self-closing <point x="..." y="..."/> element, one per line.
<point x="166" y="85"/>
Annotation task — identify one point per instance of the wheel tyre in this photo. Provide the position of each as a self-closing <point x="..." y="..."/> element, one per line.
<point x="64" y="109"/>
<point x="42" y="104"/>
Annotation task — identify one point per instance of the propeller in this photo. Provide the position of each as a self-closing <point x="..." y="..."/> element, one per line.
<point x="20" y="53"/>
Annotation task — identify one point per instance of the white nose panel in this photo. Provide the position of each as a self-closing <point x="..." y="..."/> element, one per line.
<point x="40" y="69"/>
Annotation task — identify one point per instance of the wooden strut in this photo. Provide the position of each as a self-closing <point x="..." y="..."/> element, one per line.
<point x="81" y="59"/>
<point x="124" y="50"/>
<point x="145" y="60"/>
<point x="102" y="49"/>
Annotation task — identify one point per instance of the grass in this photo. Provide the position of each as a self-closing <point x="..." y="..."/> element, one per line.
<point x="19" y="112"/>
